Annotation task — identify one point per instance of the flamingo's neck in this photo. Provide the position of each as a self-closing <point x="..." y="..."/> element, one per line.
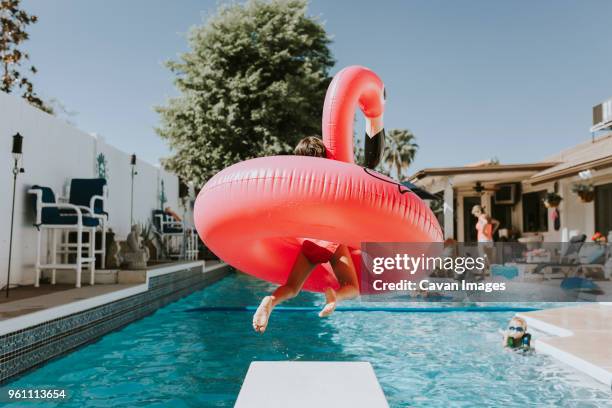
<point x="351" y="87"/>
<point x="373" y="126"/>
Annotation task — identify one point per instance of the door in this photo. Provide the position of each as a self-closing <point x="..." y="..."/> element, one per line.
<point x="469" y="221"/>
<point x="603" y="208"/>
<point x="503" y="214"/>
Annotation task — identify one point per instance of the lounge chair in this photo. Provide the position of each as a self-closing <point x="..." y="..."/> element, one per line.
<point x="593" y="259"/>
<point x="568" y="260"/>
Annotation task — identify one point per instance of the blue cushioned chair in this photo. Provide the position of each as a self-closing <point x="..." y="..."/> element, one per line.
<point x="90" y="194"/>
<point x="56" y="217"/>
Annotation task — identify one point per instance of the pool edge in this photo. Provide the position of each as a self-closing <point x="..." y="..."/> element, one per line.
<point x="32" y="340"/>
<point x="554" y="345"/>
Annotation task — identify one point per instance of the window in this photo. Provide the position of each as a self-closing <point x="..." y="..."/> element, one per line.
<point x="603" y="208"/>
<point x="535" y="214"/>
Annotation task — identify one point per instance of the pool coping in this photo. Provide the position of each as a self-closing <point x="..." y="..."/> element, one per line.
<point x="599" y="373"/>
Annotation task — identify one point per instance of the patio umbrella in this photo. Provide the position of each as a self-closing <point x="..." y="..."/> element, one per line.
<point x="425" y="195"/>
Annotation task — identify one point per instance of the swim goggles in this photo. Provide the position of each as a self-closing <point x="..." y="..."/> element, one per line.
<point x="516" y="329"/>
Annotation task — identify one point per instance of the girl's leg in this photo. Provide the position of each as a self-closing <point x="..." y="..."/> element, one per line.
<point x="345" y="272"/>
<point x="300" y="271"/>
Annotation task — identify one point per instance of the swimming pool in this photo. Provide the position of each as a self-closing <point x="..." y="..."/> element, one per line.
<point x="180" y="359"/>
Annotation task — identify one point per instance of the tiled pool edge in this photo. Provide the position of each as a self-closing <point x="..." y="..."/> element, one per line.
<point x="30" y="340"/>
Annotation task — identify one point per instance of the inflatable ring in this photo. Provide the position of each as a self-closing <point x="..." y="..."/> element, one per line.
<point x="255" y="214"/>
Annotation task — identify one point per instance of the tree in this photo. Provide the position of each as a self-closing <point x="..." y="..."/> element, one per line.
<point x="252" y="85"/>
<point x="13" y="22"/>
<point x="400" y="151"/>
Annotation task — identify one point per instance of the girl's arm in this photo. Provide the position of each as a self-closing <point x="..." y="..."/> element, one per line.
<point x="495" y="224"/>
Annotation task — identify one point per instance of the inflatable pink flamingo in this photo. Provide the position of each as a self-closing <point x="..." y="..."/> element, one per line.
<point x="255" y="214"/>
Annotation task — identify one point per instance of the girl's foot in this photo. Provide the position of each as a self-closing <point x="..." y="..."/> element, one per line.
<point x="262" y="315"/>
<point x="330" y="303"/>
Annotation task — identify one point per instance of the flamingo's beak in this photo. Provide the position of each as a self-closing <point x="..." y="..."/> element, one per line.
<point x="374" y="142"/>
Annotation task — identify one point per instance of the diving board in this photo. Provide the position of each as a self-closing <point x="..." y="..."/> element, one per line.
<point x="307" y="384"/>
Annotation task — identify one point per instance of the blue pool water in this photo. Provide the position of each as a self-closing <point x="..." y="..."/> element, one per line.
<point x="189" y="359"/>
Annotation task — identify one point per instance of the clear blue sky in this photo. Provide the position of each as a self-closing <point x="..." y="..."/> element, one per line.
<point x="472" y="79"/>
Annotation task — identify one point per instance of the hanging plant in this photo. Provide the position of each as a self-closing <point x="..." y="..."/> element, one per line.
<point x="585" y="191"/>
<point x="552" y="200"/>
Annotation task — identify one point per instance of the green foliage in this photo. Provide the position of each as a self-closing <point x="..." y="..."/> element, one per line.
<point x="13" y="23"/>
<point x="552" y="199"/>
<point x="399" y="152"/>
<point x="583" y="187"/>
<point x="252" y="85"/>
<point x="585" y="190"/>
<point x="146" y="231"/>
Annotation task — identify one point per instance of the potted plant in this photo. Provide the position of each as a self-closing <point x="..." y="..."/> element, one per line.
<point x="585" y="191"/>
<point x="599" y="238"/>
<point x="552" y="200"/>
<point x="148" y="238"/>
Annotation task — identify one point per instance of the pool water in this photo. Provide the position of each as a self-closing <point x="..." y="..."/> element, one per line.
<point x="199" y="359"/>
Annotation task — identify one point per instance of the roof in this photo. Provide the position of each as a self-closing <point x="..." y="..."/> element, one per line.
<point x="421" y="193"/>
<point x="593" y="154"/>
<point x="484" y="168"/>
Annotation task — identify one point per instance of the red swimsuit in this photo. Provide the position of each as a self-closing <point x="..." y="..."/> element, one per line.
<point x="318" y="251"/>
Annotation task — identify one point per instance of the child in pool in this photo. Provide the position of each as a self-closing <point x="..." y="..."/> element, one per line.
<point x="516" y="336"/>
<point x="313" y="253"/>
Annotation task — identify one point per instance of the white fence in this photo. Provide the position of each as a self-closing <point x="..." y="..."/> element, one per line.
<point x="53" y="153"/>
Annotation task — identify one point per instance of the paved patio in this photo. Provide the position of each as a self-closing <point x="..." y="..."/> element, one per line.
<point x="47" y="296"/>
<point x="29" y="299"/>
<point x="582" y="337"/>
<point x="24" y="292"/>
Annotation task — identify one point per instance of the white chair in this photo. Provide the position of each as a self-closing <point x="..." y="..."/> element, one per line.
<point x="171" y="232"/>
<point x="90" y="195"/>
<point x="58" y="218"/>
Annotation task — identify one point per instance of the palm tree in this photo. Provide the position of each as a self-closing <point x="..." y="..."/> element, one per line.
<point x="400" y="151"/>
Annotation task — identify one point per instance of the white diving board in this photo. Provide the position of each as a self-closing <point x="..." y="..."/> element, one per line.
<point x="308" y="384"/>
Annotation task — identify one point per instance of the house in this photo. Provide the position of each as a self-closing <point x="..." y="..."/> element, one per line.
<point x="514" y="193"/>
<point x="461" y="188"/>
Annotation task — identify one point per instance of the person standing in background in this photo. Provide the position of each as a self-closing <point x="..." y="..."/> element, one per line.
<point x="485" y="227"/>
